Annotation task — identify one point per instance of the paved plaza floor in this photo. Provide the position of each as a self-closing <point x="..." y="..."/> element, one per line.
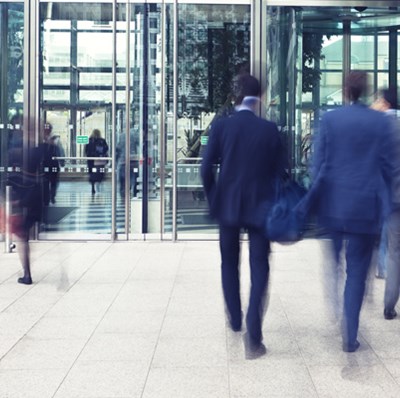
<point x="146" y="319"/>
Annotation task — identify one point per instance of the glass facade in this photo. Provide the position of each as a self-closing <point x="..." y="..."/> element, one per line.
<point x="11" y="80"/>
<point x="149" y="78"/>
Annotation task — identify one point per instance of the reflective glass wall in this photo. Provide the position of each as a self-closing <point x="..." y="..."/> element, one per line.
<point x="213" y="47"/>
<point x="123" y="92"/>
<point x="309" y="50"/>
<point x="11" y="83"/>
<point x="167" y="119"/>
<point x="75" y="94"/>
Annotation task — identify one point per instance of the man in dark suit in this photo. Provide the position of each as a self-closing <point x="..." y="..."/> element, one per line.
<point x="353" y="166"/>
<point x="390" y="247"/>
<point x="249" y="154"/>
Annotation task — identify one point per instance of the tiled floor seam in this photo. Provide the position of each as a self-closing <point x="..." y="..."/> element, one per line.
<point x="163" y="319"/>
<point x="228" y="363"/>
<point x="32" y="287"/>
<point x="100" y="320"/>
<point x="382" y="362"/>
<point x="300" y="351"/>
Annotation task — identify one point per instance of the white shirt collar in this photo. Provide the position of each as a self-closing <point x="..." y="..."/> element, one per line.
<point x="247" y="104"/>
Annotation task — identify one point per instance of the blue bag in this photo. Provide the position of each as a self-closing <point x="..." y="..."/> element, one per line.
<point x="283" y="224"/>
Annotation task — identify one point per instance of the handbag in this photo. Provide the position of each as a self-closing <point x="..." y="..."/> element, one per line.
<point x="283" y="224"/>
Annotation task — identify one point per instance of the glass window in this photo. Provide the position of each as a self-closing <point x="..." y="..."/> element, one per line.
<point x="362" y="52"/>
<point x="332" y="52"/>
<point x="398" y="49"/>
<point x="95" y="79"/>
<point x="95" y="49"/>
<point x="56" y="95"/>
<point x="383" y="80"/>
<point x="11" y="82"/>
<point x="56" y="78"/>
<point x="95" y="95"/>
<point x="76" y="51"/>
<point x="331" y="89"/>
<point x="383" y="52"/>
<point x="214" y="46"/>
<point x="57" y="47"/>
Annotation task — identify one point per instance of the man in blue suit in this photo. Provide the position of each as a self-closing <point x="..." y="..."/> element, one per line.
<point x="250" y="157"/>
<point x="352" y="170"/>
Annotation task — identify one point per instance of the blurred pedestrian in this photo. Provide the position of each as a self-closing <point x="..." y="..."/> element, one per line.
<point x="97" y="148"/>
<point x="26" y="198"/>
<point x="133" y="162"/>
<point x="249" y="154"/>
<point x="390" y="255"/>
<point x="387" y="103"/>
<point x="51" y="150"/>
<point x="352" y="158"/>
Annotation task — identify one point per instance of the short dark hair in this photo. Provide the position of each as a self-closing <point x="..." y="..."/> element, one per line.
<point x="390" y="96"/>
<point x="356" y="85"/>
<point x="245" y="85"/>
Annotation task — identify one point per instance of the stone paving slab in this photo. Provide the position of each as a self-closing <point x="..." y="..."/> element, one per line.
<point x="146" y="319"/>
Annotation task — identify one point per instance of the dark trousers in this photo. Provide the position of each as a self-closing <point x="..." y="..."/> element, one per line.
<point x="392" y="286"/>
<point x="50" y="184"/>
<point x="259" y="269"/>
<point x="359" y="251"/>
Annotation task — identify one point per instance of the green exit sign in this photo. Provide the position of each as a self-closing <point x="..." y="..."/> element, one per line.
<point x="82" y="139"/>
<point x="204" y="139"/>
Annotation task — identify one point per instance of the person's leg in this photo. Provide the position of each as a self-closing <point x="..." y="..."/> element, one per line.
<point x="331" y="271"/>
<point x="382" y="253"/>
<point x="46" y="188"/>
<point x="230" y="249"/>
<point x="121" y="179"/>
<point x="259" y="267"/>
<point x="53" y="186"/>
<point x="24" y="254"/>
<point x="358" y="258"/>
<point x="392" y="284"/>
<point x="92" y="178"/>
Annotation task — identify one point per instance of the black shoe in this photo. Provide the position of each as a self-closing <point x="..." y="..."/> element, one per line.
<point x="389" y="314"/>
<point x="351" y="347"/>
<point x="26" y="280"/>
<point x="236" y="327"/>
<point x="236" y="324"/>
<point x="252" y="349"/>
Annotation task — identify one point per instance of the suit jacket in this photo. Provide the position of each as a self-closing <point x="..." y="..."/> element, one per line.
<point x="249" y="153"/>
<point x="394" y="193"/>
<point x="353" y="168"/>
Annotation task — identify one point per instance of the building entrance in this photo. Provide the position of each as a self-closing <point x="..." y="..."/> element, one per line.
<point x="151" y="77"/>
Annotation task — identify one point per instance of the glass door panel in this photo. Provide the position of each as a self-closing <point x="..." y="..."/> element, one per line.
<point x="11" y="86"/>
<point x="308" y="50"/>
<point x="76" y="124"/>
<point x="138" y="119"/>
<point x="213" y="47"/>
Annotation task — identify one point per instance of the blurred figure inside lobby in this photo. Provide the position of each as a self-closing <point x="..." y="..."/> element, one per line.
<point x="133" y="162"/>
<point x="96" y="148"/>
<point x="51" y="150"/>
